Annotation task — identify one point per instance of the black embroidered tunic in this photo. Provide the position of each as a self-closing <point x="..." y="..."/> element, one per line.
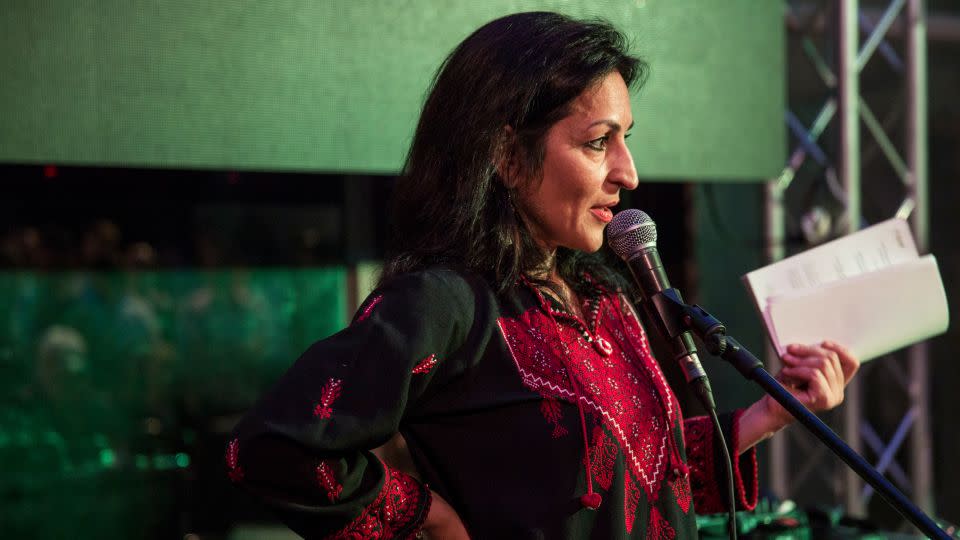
<point x="511" y="409"/>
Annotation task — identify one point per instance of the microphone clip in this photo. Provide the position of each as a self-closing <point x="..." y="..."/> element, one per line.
<point x="676" y="317"/>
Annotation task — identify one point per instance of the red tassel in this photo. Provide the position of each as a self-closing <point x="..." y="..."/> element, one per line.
<point x="591" y="500"/>
<point x="681" y="469"/>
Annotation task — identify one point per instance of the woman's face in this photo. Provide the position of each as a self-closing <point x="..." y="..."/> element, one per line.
<point x="586" y="163"/>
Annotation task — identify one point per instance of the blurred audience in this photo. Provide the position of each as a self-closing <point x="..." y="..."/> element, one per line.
<point x="121" y="377"/>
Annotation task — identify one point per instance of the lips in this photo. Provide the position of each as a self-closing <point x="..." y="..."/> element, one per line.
<point x="602" y="213"/>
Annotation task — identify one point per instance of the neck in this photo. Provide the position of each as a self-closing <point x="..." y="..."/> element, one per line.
<point x="548" y="268"/>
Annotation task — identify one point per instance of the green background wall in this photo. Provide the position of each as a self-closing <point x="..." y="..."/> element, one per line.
<point x="336" y="86"/>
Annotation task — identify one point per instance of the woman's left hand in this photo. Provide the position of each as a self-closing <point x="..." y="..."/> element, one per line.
<point x="816" y="375"/>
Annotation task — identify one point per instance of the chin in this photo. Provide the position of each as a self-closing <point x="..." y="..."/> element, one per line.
<point x="590" y="245"/>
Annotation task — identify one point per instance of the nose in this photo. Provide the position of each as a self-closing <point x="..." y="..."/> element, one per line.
<point x="623" y="172"/>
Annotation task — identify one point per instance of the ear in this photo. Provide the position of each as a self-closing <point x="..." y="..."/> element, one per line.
<point x="507" y="159"/>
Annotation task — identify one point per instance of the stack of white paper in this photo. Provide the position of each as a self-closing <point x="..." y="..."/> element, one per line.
<point x="869" y="291"/>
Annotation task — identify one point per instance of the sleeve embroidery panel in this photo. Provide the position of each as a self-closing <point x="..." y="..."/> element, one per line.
<point x="703" y="455"/>
<point x="398" y="511"/>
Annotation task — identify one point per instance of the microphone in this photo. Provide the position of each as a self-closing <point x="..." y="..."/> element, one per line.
<point x="633" y="237"/>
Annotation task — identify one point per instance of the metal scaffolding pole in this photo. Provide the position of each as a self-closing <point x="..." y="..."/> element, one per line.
<point x="848" y="87"/>
<point x="844" y="181"/>
<point x="921" y="468"/>
<point x="774" y="224"/>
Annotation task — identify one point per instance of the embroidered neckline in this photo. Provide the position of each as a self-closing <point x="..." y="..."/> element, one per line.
<point x="587" y="326"/>
<point x="622" y="403"/>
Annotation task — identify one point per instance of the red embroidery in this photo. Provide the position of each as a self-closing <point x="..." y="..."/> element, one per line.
<point x="234" y="471"/>
<point x="329" y="394"/>
<point x="707" y="496"/>
<point x="631" y="500"/>
<point x="425" y="365"/>
<point x="550" y="409"/>
<point x="698" y="433"/>
<point x="626" y="388"/>
<point x="368" y="309"/>
<point x="328" y="481"/>
<point x="402" y="501"/>
<point x="681" y="491"/>
<point x="367" y="525"/>
<point x="603" y="455"/>
<point x="658" y="528"/>
<point x="747" y="499"/>
<point x="399" y="508"/>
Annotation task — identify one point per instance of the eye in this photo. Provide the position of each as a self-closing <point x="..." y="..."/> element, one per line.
<point x="599" y="144"/>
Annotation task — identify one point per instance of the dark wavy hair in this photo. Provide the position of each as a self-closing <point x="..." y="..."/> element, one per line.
<point x="450" y="207"/>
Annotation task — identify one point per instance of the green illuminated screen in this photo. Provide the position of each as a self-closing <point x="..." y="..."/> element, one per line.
<point x="336" y="86"/>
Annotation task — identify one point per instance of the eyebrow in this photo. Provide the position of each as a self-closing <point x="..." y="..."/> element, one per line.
<point x="611" y="123"/>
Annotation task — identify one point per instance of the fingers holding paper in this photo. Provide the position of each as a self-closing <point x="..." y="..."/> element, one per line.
<point x="829" y="357"/>
<point x="849" y="363"/>
<point x="816" y="375"/>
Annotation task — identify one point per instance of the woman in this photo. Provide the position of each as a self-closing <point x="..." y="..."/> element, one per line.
<point x="498" y="344"/>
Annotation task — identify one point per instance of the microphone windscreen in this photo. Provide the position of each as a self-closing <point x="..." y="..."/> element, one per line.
<point x="629" y="231"/>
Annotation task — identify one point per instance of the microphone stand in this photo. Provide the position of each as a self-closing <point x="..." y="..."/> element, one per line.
<point x="678" y="317"/>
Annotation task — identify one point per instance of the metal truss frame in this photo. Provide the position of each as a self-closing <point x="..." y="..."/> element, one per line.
<point x="793" y="459"/>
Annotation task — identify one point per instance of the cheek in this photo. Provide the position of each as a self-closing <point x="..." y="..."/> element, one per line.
<point x="564" y="205"/>
<point x="569" y="184"/>
<point x="562" y="200"/>
<point x="578" y="194"/>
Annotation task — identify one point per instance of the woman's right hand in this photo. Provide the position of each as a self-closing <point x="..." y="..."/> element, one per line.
<point x="442" y="521"/>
